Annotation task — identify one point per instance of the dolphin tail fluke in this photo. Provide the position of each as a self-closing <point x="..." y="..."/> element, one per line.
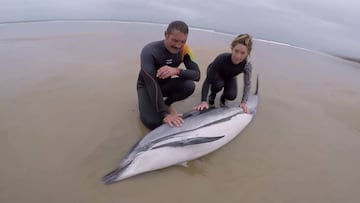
<point x="112" y="176"/>
<point x="257" y="84"/>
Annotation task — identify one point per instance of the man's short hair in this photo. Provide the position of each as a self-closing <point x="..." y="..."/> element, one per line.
<point x="177" y="25"/>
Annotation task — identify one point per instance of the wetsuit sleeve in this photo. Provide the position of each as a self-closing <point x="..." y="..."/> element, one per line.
<point x="247" y="82"/>
<point x="192" y="71"/>
<point x="205" y="88"/>
<point x="211" y="72"/>
<point x="148" y="72"/>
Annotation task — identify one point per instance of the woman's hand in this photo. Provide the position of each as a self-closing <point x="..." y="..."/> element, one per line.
<point x="244" y="107"/>
<point x="202" y="106"/>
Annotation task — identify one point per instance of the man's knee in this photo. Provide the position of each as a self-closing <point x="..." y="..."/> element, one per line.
<point x="188" y="87"/>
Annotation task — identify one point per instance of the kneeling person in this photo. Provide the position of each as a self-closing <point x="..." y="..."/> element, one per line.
<point x="159" y="62"/>
<point x="222" y="74"/>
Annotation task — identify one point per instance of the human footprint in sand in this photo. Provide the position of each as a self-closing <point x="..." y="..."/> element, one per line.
<point x="160" y="77"/>
<point x="222" y="74"/>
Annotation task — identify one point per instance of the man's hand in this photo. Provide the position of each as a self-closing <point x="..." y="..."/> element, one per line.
<point x="174" y="120"/>
<point x="202" y="106"/>
<point x="167" y="71"/>
<point x="244" y="107"/>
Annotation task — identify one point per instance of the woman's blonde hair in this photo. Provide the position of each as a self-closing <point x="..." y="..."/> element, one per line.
<point x="244" y="39"/>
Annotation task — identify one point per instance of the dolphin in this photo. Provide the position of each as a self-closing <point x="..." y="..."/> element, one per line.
<point x="202" y="133"/>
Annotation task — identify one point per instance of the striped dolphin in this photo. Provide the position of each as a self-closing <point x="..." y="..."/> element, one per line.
<point x="202" y="133"/>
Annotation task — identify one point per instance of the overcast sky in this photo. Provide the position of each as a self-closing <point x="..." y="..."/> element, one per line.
<point x="325" y="25"/>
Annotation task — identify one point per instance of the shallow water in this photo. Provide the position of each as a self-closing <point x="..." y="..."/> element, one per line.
<point x="68" y="113"/>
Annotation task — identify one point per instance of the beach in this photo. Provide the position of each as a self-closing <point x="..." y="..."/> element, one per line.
<point x="68" y="114"/>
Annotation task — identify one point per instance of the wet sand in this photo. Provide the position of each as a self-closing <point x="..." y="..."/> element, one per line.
<point x="68" y="113"/>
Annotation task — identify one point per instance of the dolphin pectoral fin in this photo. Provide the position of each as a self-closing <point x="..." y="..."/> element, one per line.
<point x="200" y="140"/>
<point x="190" y="141"/>
<point x="184" y="164"/>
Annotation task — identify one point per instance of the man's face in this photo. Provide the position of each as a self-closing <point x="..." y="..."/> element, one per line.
<point x="175" y="41"/>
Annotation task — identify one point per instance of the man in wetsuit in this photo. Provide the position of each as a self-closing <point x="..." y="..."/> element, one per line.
<point x="160" y="77"/>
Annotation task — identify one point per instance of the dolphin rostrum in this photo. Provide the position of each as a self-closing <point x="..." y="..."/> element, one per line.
<point x="202" y="133"/>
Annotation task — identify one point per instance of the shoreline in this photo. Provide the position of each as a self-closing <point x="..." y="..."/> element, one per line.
<point x="226" y="33"/>
<point x="355" y="60"/>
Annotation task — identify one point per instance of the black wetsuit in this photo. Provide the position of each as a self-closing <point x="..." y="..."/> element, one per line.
<point x="152" y="90"/>
<point x="221" y="73"/>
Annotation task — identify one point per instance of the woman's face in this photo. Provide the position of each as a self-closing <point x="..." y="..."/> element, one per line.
<point x="238" y="53"/>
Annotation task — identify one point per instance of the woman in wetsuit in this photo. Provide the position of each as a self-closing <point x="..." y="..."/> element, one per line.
<point x="223" y="71"/>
